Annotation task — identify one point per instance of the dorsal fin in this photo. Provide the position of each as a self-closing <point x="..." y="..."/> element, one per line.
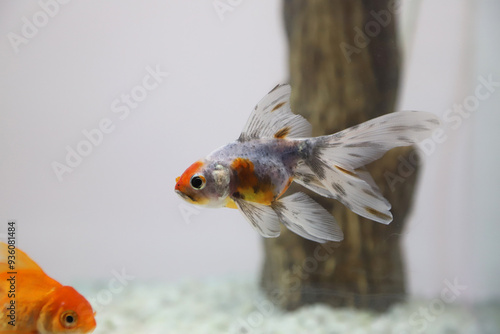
<point x="22" y="261"/>
<point x="273" y="118"/>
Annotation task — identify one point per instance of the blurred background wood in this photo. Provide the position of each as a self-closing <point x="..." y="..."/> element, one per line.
<point x="341" y="77"/>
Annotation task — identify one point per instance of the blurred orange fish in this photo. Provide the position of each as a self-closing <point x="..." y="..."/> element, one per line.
<point x="32" y="302"/>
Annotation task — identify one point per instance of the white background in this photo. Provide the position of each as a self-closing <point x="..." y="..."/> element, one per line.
<point x="117" y="209"/>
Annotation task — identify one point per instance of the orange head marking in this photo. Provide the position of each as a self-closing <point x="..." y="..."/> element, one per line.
<point x="191" y="182"/>
<point x="205" y="183"/>
<point x="66" y="311"/>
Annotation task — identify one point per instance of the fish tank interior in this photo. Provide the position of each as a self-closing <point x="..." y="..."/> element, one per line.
<point x="104" y="104"/>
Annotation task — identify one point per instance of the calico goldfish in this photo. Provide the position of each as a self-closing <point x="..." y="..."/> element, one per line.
<point x="275" y="149"/>
<point x="32" y="302"/>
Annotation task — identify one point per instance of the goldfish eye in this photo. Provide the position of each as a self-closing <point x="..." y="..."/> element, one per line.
<point x="198" y="181"/>
<point x="69" y="319"/>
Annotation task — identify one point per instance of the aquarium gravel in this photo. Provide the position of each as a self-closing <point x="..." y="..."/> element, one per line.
<point x="237" y="306"/>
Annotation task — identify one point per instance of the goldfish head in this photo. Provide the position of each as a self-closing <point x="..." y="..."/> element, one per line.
<point x="204" y="183"/>
<point x="66" y="311"/>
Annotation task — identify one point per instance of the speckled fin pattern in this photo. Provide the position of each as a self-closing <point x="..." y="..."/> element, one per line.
<point x="303" y="216"/>
<point x="328" y="165"/>
<point x="273" y="118"/>
<point x="262" y="217"/>
<point x="333" y="168"/>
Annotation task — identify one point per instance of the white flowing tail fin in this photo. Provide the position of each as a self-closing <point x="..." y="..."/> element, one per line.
<point x="331" y="167"/>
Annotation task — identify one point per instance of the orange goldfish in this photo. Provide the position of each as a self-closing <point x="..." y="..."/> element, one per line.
<point x="276" y="149"/>
<point x="32" y="302"/>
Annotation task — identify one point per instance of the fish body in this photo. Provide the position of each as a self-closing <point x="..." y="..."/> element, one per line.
<point x="42" y="305"/>
<point x="275" y="149"/>
<point x="260" y="170"/>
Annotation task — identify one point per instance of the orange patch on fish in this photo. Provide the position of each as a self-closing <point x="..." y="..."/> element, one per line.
<point x="193" y="168"/>
<point x="279" y="105"/>
<point x="230" y="204"/>
<point x="282" y="133"/>
<point x="249" y="187"/>
<point x="290" y="180"/>
<point x="345" y="171"/>
<point x="377" y="213"/>
<point x="186" y="176"/>
<point x="183" y="186"/>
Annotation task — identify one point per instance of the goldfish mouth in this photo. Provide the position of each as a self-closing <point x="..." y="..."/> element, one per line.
<point x="184" y="196"/>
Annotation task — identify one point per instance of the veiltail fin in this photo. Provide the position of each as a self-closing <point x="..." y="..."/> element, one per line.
<point x="330" y="169"/>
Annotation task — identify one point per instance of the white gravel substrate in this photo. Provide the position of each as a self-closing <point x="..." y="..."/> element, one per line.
<point x="237" y="306"/>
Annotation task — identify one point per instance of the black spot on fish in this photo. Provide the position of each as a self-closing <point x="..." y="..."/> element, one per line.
<point x="399" y="128"/>
<point x="238" y="195"/>
<point x="339" y="189"/>
<point x="275" y="87"/>
<point x="405" y="139"/>
<point x="306" y="178"/>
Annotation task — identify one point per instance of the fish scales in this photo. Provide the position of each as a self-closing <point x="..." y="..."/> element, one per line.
<point x="262" y="169"/>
